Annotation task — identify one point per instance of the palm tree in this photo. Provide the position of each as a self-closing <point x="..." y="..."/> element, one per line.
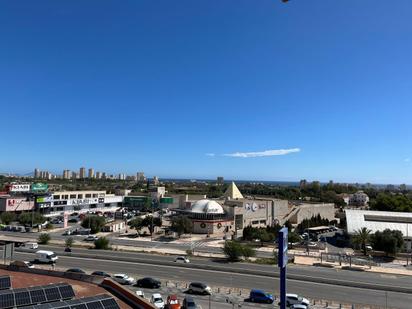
<point x="362" y="237"/>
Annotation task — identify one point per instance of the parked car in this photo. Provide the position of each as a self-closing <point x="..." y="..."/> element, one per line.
<point x="73" y="220"/>
<point x="30" y="245"/>
<point x="67" y="233"/>
<point x="182" y="259"/>
<point x="299" y="306"/>
<point x="91" y="238"/>
<point x="148" y="283"/>
<point x="172" y="302"/>
<point x="75" y="270"/>
<point x="189" y="303"/>
<point x="123" y="279"/>
<point x="22" y="264"/>
<point x="157" y="301"/>
<point x="199" y="288"/>
<point x="101" y="274"/>
<point x="294" y="299"/>
<point x="140" y="293"/>
<point x="259" y="296"/>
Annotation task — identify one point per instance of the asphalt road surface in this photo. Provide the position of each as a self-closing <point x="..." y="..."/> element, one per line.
<point x="312" y="290"/>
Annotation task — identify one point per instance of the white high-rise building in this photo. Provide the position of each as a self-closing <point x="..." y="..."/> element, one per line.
<point x="91" y="173"/>
<point x="82" y="173"/>
<point x="36" y="173"/>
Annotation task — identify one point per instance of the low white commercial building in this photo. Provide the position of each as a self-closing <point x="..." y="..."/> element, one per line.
<point x="379" y="221"/>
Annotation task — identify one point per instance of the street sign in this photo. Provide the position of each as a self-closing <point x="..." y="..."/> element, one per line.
<point x="282" y="263"/>
<point x="283" y="247"/>
<point x="8" y="251"/>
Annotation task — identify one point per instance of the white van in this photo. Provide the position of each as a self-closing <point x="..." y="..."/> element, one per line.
<point x="43" y="256"/>
<point x="30" y="245"/>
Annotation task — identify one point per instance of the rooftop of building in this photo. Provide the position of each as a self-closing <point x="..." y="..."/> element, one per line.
<point x="81" y="289"/>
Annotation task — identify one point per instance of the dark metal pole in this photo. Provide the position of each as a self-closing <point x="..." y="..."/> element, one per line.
<point x="283" y="288"/>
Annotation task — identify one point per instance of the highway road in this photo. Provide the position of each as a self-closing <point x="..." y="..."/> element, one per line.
<point x="230" y="279"/>
<point x="310" y="272"/>
<point x="200" y="246"/>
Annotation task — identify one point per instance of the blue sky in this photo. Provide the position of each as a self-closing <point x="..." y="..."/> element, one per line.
<point x="324" y="87"/>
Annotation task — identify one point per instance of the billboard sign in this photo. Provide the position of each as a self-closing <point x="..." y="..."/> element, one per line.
<point x="19" y="188"/>
<point x="85" y="201"/>
<point x="44" y="199"/>
<point x="39" y="187"/>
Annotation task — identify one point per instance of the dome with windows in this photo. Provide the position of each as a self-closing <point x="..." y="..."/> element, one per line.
<point x="207" y="207"/>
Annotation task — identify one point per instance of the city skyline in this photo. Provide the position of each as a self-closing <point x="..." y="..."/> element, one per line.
<point x="243" y="89"/>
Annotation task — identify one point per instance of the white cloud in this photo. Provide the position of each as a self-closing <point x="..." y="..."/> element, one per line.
<point x="265" y="153"/>
<point x="210" y="154"/>
<point x="407" y="160"/>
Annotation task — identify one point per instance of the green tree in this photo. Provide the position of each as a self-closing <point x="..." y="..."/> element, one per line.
<point x="361" y="238"/>
<point x="102" y="243"/>
<point x="248" y="251"/>
<point x="27" y="218"/>
<point x="181" y="225"/>
<point x="95" y="223"/>
<point x="388" y="241"/>
<point x="293" y="237"/>
<point x="233" y="250"/>
<point x="7" y="217"/>
<point x="136" y="224"/>
<point x="44" y="238"/>
<point x="151" y="222"/>
<point x="69" y="242"/>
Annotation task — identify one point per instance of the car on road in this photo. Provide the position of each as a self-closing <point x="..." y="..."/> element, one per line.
<point x="67" y="249"/>
<point x="44" y="256"/>
<point x="157" y="301"/>
<point x="75" y="270"/>
<point x="259" y="296"/>
<point x="199" y="288"/>
<point x="30" y="245"/>
<point x="189" y="303"/>
<point x="294" y="299"/>
<point x="149" y="283"/>
<point x="123" y="279"/>
<point x="182" y="259"/>
<point x="100" y="274"/>
<point x="299" y="306"/>
<point x="91" y="238"/>
<point x="172" y="302"/>
<point x="22" y="264"/>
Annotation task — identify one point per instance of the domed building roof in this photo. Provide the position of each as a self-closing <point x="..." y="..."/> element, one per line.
<point x="207" y="207"/>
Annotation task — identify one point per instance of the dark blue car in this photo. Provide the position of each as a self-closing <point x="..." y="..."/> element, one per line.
<point x="259" y="296"/>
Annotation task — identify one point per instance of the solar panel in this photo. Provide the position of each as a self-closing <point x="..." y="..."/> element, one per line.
<point x="5" y="282"/>
<point x="22" y="298"/>
<point x="95" y="302"/>
<point x="79" y="306"/>
<point x="7" y="300"/>
<point x="66" y="291"/>
<point x="95" y="305"/>
<point x="52" y="294"/>
<point x="37" y="296"/>
<point x="110" y="303"/>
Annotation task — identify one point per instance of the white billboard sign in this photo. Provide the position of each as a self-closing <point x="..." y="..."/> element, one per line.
<point x="20" y="188"/>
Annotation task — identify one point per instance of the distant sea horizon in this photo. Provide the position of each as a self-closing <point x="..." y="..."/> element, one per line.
<point x="289" y="183"/>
